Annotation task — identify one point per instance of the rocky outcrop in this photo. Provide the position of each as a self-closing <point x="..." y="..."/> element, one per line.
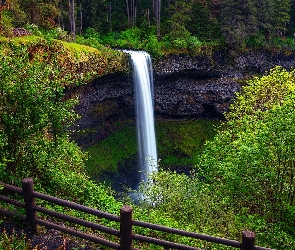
<point x="184" y="87"/>
<point x="184" y="97"/>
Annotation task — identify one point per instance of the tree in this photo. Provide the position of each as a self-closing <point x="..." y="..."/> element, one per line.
<point x="238" y="20"/>
<point x="204" y="23"/>
<point x="95" y="15"/>
<point x="41" y="12"/>
<point x="281" y="16"/>
<point x="265" y="17"/>
<point x="33" y="115"/>
<point x="157" y="14"/>
<point x="291" y="25"/>
<point x="180" y="10"/>
<point x="131" y="9"/>
<point x="253" y="156"/>
<point x="72" y="19"/>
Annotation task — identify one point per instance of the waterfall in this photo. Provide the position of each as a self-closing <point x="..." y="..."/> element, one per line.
<point x="144" y="105"/>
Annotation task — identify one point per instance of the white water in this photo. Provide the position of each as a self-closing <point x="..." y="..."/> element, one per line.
<point x="143" y="87"/>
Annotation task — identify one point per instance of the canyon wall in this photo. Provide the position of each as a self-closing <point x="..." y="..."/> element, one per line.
<point x="184" y="87"/>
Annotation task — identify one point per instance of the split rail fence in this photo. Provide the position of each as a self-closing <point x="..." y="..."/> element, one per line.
<point x="125" y="235"/>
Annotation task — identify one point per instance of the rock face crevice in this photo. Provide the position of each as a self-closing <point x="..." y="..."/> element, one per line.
<point x="184" y="87"/>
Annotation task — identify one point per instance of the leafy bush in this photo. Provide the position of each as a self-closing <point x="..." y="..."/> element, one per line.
<point x="252" y="158"/>
<point x="130" y="39"/>
<point x="180" y="43"/>
<point x="6" y="24"/>
<point x="256" y="41"/>
<point x="110" y="39"/>
<point x="34" y="29"/>
<point x="244" y="178"/>
<point x="153" y="46"/>
<point x="194" y="43"/>
<point x="13" y="241"/>
<point x="91" y="33"/>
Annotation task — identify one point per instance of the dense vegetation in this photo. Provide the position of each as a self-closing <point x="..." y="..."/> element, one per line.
<point x="178" y="144"/>
<point x="159" y="26"/>
<point x="242" y="178"/>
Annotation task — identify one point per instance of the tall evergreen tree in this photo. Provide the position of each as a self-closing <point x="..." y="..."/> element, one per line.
<point x="291" y="24"/>
<point x="238" y="21"/>
<point x="265" y="17"/>
<point x="95" y="15"/>
<point x="281" y="16"/>
<point x="205" y="23"/>
<point x="181" y="15"/>
<point x="41" y="12"/>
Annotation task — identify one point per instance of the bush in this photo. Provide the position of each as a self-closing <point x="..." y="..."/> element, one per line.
<point x="180" y="43"/>
<point x="194" y="43"/>
<point x="252" y="158"/>
<point x="6" y="24"/>
<point x="256" y="41"/>
<point x="153" y="46"/>
<point x="14" y="241"/>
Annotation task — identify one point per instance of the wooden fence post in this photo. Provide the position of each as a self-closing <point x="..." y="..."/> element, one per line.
<point x="31" y="214"/>
<point x="248" y="239"/>
<point x="126" y="228"/>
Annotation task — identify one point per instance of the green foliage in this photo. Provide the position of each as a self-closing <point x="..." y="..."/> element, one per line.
<point x="256" y="41"/>
<point x="34" y="136"/>
<point x="252" y="158"/>
<point x="179" y="43"/>
<point x="6" y="23"/>
<point x="180" y="142"/>
<point x="91" y="33"/>
<point x="153" y="46"/>
<point x="205" y="22"/>
<point x="34" y="29"/>
<point x="106" y="155"/>
<point x="34" y="116"/>
<point x="194" y="43"/>
<point x="261" y="93"/>
<point x="238" y="21"/>
<point x="39" y="12"/>
<point x="13" y="241"/>
<point x="244" y="178"/>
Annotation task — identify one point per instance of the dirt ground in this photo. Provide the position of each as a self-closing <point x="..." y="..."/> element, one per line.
<point x="45" y="239"/>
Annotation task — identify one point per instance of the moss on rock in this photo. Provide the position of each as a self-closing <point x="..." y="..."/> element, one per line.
<point x="78" y="62"/>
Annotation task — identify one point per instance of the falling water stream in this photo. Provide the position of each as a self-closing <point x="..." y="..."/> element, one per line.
<point x="143" y="88"/>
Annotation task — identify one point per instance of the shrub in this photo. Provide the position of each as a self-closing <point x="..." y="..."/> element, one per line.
<point x="193" y="42"/>
<point x="180" y="43"/>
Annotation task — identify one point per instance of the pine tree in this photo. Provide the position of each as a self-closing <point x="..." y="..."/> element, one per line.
<point x="181" y="15"/>
<point x="41" y="12"/>
<point x="238" y="21"/>
<point x="281" y="16"/>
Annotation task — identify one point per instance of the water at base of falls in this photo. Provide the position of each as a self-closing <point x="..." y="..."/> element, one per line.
<point x="143" y="90"/>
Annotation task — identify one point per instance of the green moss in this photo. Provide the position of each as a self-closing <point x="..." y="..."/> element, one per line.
<point x="107" y="154"/>
<point x="104" y="109"/>
<point x="79" y="63"/>
<point x="178" y="143"/>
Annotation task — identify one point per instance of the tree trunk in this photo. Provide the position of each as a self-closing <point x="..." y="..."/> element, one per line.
<point x="128" y="12"/>
<point x="81" y="19"/>
<point x="110" y="16"/>
<point x="72" y="19"/>
<point x="157" y="14"/>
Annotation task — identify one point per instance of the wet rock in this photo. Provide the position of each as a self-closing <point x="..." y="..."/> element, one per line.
<point x="184" y="87"/>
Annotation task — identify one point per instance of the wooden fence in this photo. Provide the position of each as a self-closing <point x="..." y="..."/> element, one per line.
<point x="125" y="234"/>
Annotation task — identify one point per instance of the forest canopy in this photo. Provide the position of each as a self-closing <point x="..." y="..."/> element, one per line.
<point x="237" y="23"/>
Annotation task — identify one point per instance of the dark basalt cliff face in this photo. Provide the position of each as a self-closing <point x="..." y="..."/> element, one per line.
<point x="184" y="87"/>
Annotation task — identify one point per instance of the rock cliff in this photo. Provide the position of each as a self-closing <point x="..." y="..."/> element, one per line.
<point x="184" y="87"/>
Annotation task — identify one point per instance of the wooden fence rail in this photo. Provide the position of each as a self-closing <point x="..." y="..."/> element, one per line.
<point x="125" y="234"/>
